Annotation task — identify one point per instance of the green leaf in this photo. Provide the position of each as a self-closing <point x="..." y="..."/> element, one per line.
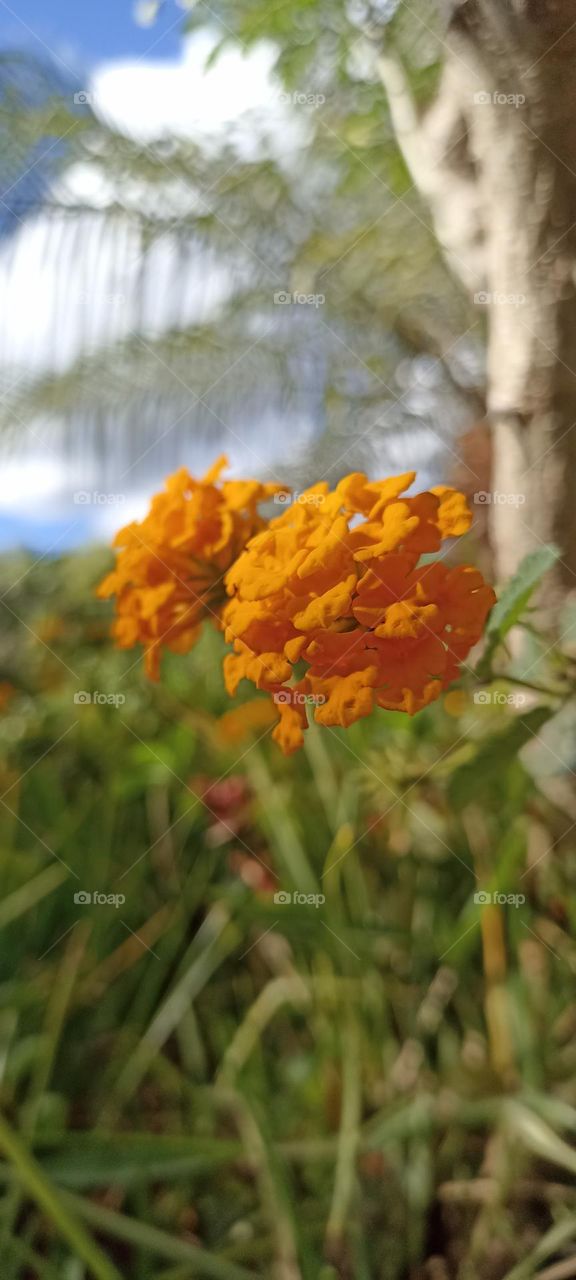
<point x="514" y="599"/>
<point x="86" y="1162"/>
<point x="495" y="756"/>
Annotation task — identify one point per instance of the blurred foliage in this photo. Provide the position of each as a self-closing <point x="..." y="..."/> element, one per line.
<point x="203" y="1081"/>
<point x="326" y="208"/>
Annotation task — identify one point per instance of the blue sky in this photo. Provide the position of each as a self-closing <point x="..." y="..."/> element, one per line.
<point x="82" y="32"/>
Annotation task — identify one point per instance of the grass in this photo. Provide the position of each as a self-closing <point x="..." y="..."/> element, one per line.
<point x="200" y="1082"/>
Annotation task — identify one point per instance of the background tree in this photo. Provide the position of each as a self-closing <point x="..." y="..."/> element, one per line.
<point x="495" y="157"/>
<point x="492" y="150"/>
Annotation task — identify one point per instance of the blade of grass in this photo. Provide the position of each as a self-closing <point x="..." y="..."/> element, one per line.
<point x="53" y="1026"/>
<point x="345" y="1181"/>
<point x="277" y="819"/>
<point x="28" y="895"/>
<point x="278" y="992"/>
<point x="131" y="1160"/>
<point x="271" y="1182"/>
<point x="324" y="774"/>
<point x="156" y="1241"/>
<point x="539" y="1138"/>
<point x="549" y="1243"/>
<point x="40" y="1189"/>
<point x="22" y="1253"/>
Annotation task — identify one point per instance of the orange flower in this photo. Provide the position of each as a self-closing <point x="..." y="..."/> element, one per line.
<point x="170" y="567"/>
<point x="332" y="593"/>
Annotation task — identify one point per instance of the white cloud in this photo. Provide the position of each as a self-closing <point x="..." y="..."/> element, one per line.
<point x="188" y="99"/>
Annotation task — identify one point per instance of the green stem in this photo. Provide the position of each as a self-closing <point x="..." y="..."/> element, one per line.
<point x="527" y="684"/>
<point x="348" y="1139"/>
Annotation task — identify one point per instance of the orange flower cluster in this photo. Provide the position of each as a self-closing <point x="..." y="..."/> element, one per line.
<point x="170" y="568"/>
<point x="330" y="606"/>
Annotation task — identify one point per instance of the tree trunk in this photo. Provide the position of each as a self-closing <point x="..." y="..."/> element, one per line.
<point x="508" y="100"/>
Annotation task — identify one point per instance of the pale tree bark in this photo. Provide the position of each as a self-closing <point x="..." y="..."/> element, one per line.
<point x="495" y="159"/>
